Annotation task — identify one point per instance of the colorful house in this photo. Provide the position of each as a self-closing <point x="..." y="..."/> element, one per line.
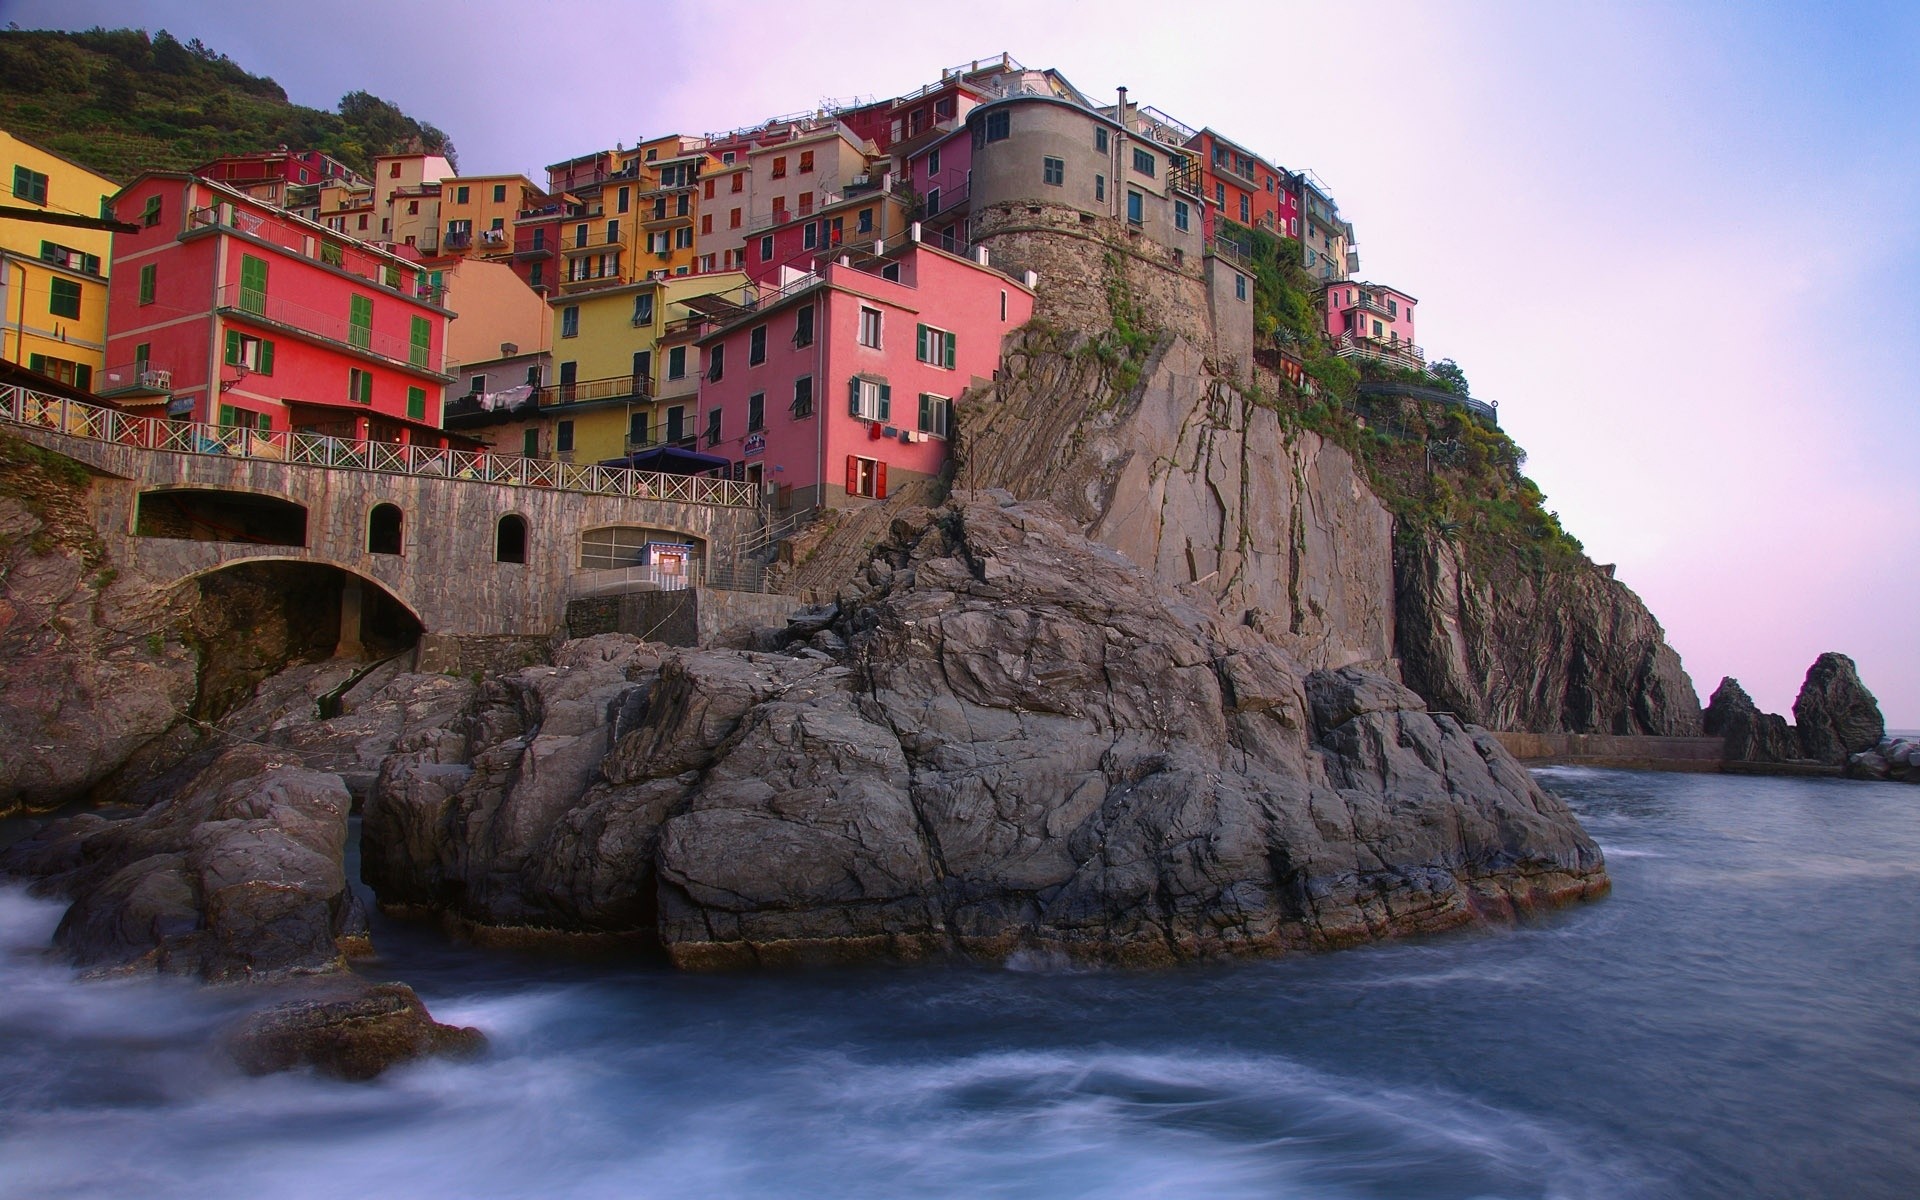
<point x="53" y="278"/>
<point x="289" y="179"/>
<point x="478" y="213"/>
<point x="1326" y="239"/>
<point x="940" y="173"/>
<point x="1371" y="320"/>
<point x="861" y="218"/>
<point x="841" y="386"/>
<point x="232" y="311"/>
<point x="1244" y="187"/>
<point x="669" y="205"/>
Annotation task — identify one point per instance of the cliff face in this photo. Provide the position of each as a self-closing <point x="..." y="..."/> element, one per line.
<point x="1198" y="483"/>
<point x="1565" y="651"/>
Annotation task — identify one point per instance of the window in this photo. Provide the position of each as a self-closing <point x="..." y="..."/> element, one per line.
<point x="1239" y="286"/>
<point x="360" y="386"/>
<point x="717" y="362"/>
<point x="643" y="309"/>
<point x="756" y="412"/>
<point x="997" y="126"/>
<point x="707" y="192"/>
<point x="766" y="248"/>
<point x="933" y="201"/>
<point x="459" y="195"/>
<point x="540" y="239"/>
<point x="142" y="355"/>
<point x="537" y="275"/>
<point x="809" y="236"/>
<point x="1136" y="208"/>
<point x="806" y="160"/>
<point x="413" y="208"/>
<point x="933" y="162"/>
<point x="383" y="530"/>
<point x="866" y="477"/>
<point x="706" y="223"/>
<point x="510" y="539"/>
<point x="580" y="234"/>
<point x="363" y="220"/>
<point x="780" y="167"/>
<point x="1220" y="195"/>
<point x="476" y="385"/>
<point x="934" y="346"/>
<point x="870" y="327"/>
<point x="30" y="186"/>
<point x="677" y="363"/>
<point x="150" y="215"/>
<point x="253" y="284"/>
<point x="713" y="426"/>
<point x="1100" y="187"/>
<point x="803" y="326"/>
<point x="563" y="437"/>
<point x="417" y="403"/>
<point x="643" y="372"/>
<point x="891" y="272"/>
<point x="570" y="321"/>
<point x="240" y="418"/>
<point x="1246" y="209"/>
<point x="613" y="231"/>
<point x="733" y="219"/>
<point x="1003" y="304"/>
<point x="637" y="429"/>
<point x="869" y="399"/>
<point x="530" y="443"/>
<point x="936" y="415"/>
<point x="1143" y="161"/>
<point x="420" y="342"/>
<point x="676" y="423"/>
<point x="865" y="221"/>
<point x="80" y="375"/>
<point x="1100" y="138"/>
<point x="683" y="238"/>
<point x="1053" y="171"/>
<point x="683" y="204"/>
<point x="255" y="354"/>
<point x="394" y="171"/>
<point x="802" y="405"/>
<point x="1181" y="219"/>
<point x="757" y="346"/>
<point x="739" y="183"/>
<point x="360" y="321"/>
<point x="149" y="283"/>
<point x="499" y="193"/>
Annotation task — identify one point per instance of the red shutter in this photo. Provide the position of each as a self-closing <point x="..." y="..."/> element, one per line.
<point x="853" y="475"/>
<point x="880" y="481"/>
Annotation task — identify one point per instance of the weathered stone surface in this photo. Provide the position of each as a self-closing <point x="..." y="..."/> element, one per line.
<point x="1026" y="743"/>
<point x="350" y="1032"/>
<point x="238" y="876"/>
<point x="1570" y="651"/>
<point x="1751" y="735"/>
<point x="1834" y="714"/>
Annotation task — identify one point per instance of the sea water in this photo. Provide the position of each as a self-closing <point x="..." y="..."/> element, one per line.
<point x="1741" y="1018"/>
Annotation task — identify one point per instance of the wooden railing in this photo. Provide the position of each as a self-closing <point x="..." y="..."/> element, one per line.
<point x="74" y="418"/>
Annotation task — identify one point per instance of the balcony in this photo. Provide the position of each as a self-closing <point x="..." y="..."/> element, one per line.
<point x="600" y="241"/>
<point x="134" y="379"/>
<point x="595" y="391"/>
<point x="495" y="241"/>
<point x="1396" y="354"/>
<point x="329" y="329"/>
<point x="458" y="240"/>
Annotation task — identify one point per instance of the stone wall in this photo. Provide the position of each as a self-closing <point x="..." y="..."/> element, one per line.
<point x="1616" y="750"/>
<point x="692" y="617"/>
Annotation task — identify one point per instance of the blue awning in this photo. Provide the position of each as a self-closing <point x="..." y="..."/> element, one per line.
<point x="674" y="460"/>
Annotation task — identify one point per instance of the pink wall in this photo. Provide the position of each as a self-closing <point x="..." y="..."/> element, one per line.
<point x="1344" y="297"/>
<point x="935" y="289"/>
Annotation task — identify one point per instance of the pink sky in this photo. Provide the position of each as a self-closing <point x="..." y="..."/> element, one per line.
<point x="1675" y="246"/>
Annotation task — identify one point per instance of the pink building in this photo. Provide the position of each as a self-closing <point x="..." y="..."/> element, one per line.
<point x="840" y="386"/>
<point x="227" y="310"/>
<point x="941" y="174"/>
<point x="1373" y="321"/>
<point x="796" y="245"/>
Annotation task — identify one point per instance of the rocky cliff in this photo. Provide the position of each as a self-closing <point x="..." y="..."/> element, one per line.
<point x="1005" y="737"/>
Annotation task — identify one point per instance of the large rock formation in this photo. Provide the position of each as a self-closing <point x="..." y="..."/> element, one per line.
<point x="1834" y="714"/>
<point x="1749" y="734"/>
<point x="1566" y="651"/>
<point x="1010" y="737"/>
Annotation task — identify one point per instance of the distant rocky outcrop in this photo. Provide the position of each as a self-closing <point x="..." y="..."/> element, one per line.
<point x="1749" y="734"/>
<point x="1890" y="758"/>
<point x="1007" y="737"/>
<point x="1834" y="714"/>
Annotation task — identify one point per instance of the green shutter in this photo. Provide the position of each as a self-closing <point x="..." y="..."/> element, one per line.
<point x="360" y="322"/>
<point x="952" y="350"/>
<point x="149" y="277"/>
<point x="266" y="358"/>
<point x="142" y="355"/>
<point x="83" y="377"/>
<point x="253" y="284"/>
<point x="886" y="402"/>
<point x="417" y="403"/>
<point x="920" y="344"/>
<point x="422" y="341"/>
<point x="233" y="347"/>
<point x="226" y="414"/>
<point x="853" y="396"/>
<point x="926" y="413"/>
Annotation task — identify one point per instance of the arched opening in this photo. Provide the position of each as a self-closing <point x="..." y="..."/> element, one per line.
<point x="383" y="529"/>
<point x="207" y="515"/>
<point x="510" y="539"/>
<point x="638" y="555"/>
<point x="256" y="618"/>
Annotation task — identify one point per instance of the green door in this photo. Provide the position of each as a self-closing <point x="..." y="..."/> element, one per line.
<point x="360" y="323"/>
<point x="253" y="284"/>
<point x="422" y="341"/>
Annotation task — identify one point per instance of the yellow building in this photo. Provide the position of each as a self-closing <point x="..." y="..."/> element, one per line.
<point x="669" y="204"/>
<point x="477" y="213"/>
<point x="607" y="398"/>
<point x="53" y="278"/>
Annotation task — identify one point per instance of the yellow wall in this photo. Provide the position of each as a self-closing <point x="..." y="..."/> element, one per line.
<point x="482" y="209"/>
<point x="492" y="305"/>
<point x="28" y="325"/>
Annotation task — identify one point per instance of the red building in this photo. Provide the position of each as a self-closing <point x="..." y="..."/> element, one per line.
<point x="1245" y="188"/>
<point x="842" y="385"/>
<point x="234" y="312"/>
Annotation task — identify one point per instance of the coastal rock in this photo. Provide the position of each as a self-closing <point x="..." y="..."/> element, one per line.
<point x="1026" y="744"/>
<point x="1890" y="758"/>
<point x="1750" y="735"/>
<point x="1834" y="713"/>
<point x="353" y="1033"/>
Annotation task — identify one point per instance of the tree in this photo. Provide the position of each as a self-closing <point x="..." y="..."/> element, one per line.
<point x="1448" y="375"/>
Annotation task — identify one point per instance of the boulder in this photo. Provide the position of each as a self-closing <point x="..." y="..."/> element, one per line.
<point x="1834" y="713"/>
<point x="351" y="1033"/>
<point x="1750" y="735"/>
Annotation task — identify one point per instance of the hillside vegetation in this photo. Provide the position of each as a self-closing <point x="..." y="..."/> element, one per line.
<point x="119" y="102"/>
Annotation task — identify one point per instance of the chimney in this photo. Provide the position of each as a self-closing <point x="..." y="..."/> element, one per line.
<point x="1120" y="112"/>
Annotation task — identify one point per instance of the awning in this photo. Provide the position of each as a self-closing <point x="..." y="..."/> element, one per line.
<point x="674" y="460"/>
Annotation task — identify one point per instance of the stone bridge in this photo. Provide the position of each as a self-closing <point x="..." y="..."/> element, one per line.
<point x="480" y="548"/>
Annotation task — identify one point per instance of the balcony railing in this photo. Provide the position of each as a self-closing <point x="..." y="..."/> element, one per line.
<point x="39" y="410"/>
<point x="129" y="378"/>
<point x="593" y="241"/>
<point x="237" y="301"/>
<point x="458" y="239"/>
<point x="1399" y="354"/>
<point x="341" y="251"/>
<point x="581" y="391"/>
